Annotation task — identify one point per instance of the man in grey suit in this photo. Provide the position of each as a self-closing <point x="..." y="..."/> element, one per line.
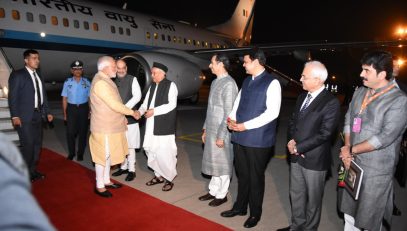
<point x="310" y="131"/>
<point x="373" y="129"/>
<point x="217" y="158"/>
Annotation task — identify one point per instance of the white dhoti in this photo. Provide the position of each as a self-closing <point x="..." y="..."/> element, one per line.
<point x="161" y="152"/>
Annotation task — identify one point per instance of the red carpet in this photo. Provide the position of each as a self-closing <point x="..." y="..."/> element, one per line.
<point x="67" y="197"/>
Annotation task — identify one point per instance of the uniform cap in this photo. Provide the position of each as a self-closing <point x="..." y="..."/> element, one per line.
<point x="77" y="64"/>
<point x="160" y="66"/>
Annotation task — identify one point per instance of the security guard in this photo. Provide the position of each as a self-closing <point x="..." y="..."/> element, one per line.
<point x="75" y="97"/>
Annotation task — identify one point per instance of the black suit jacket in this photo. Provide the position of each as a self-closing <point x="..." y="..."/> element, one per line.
<point x="314" y="129"/>
<point x="21" y="97"/>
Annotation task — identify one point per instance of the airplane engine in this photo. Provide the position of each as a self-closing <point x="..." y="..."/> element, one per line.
<point x="185" y="74"/>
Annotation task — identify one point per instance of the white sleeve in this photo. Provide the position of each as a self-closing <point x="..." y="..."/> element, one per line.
<point x="136" y="92"/>
<point x="232" y="114"/>
<point x="273" y="104"/>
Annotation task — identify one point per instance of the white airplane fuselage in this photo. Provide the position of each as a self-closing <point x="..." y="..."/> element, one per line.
<point x="63" y="31"/>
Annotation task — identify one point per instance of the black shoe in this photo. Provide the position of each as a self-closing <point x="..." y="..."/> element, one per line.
<point x="120" y="172"/>
<point x="285" y="229"/>
<point x="396" y="211"/>
<point x="251" y="222"/>
<point x="206" y="197"/>
<point x="130" y="176"/>
<point x="216" y="202"/>
<point x="232" y="213"/>
<point x="79" y="158"/>
<point x="105" y="193"/>
<point x="113" y="186"/>
<point x="70" y="157"/>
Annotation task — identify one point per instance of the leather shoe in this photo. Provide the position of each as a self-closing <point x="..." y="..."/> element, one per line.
<point x="130" y="176"/>
<point x="232" y="213"/>
<point x="251" y="222"/>
<point x="396" y="211"/>
<point x="37" y="176"/>
<point x="70" y="157"/>
<point x="105" y="193"/>
<point x="216" y="202"/>
<point x="285" y="229"/>
<point x="79" y="158"/>
<point x="113" y="186"/>
<point x="206" y="197"/>
<point x="120" y="172"/>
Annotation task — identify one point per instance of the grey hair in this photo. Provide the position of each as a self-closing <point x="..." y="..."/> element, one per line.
<point x="318" y="69"/>
<point x="103" y="62"/>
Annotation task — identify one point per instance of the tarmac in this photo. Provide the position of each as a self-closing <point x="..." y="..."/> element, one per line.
<point x="190" y="183"/>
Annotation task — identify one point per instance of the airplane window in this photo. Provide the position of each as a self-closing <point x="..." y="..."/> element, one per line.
<point x="95" y="27"/>
<point x="189" y="41"/>
<point x="121" y="30"/>
<point x="210" y="45"/>
<point x="2" y="13"/>
<point x="30" y="17"/>
<point x="169" y="38"/>
<point x="179" y="40"/>
<point x="86" y="25"/>
<point x="113" y="29"/>
<point x="54" y="20"/>
<point x="148" y="35"/>
<point x="244" y="12"/>
<point x="43" y="19"/>
<point x="15" y="14"/>
<point x="193" y="41"/>
<point x="163" y="37"/>
<point x="185" y="41"/>
<point x="65" y="22"/>
<point x="174" y="39"/>
<point x="76" y="23"/>
<point x="128" y="31"/>
<point x="197" y="43"/>
<point x="155" y="35"/>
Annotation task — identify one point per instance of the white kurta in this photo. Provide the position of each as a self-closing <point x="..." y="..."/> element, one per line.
<point x="161" y="150"/>
<point x="133" y="131"/>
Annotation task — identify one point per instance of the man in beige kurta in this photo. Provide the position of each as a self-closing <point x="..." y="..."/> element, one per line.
<point x="107" y="142"/>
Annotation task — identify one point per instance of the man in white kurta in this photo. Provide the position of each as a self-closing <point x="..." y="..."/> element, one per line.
<point x="130" y="93"/>
<point x="159" y="108"/>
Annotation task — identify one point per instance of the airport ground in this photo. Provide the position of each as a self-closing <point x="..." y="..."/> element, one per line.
<point x="190" y="183"/>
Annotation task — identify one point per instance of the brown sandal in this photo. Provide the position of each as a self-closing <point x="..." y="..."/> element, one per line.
<point x="154" y="181"/>
<point x="167" y="186"/>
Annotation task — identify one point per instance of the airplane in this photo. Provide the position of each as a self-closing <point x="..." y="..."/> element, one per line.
<point x="63" y="31"/>
<point x="66" y="30"/>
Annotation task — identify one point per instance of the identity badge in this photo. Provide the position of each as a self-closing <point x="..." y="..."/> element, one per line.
<point x="357" y="125"/>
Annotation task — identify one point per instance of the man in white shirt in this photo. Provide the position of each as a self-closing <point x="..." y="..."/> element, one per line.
<point x="159" y="108"/>
<point x="253" y="121"/>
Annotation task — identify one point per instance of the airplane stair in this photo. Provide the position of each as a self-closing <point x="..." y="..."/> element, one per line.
<point x="5" y="120"/>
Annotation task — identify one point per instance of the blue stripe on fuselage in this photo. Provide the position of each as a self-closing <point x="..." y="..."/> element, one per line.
<point x="29" y="36"/>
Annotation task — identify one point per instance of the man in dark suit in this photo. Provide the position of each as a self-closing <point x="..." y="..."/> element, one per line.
<point x="310" y="130"/>
<point x="28" y="105"/>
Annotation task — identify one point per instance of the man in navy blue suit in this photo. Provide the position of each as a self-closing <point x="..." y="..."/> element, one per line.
<point x="28" y="105"/>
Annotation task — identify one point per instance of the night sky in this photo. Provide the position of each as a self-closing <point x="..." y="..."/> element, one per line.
<point x="297" y="21"/>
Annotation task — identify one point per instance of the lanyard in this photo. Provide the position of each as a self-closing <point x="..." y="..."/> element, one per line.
<point x="367" y="100"/>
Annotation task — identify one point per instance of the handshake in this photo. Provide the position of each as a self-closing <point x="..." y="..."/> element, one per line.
<point x="137" y="115"/>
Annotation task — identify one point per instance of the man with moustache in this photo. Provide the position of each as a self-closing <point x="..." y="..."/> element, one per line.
<point x="75" y="97"/>
<point x="107" y="141"/>
<point x="373" y="128"/>
<point x="253" y="121"/>
<point x="217" y="160"/>
<point x="28" y="105"/>
<point x="130" y="93"/>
